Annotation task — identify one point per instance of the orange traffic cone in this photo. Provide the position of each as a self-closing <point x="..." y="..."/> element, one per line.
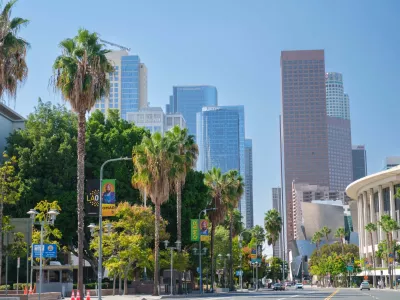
<point x="73" y="295"/>
<point x="25" y="290"/>
<point x="78" y="295"/>
<point x="34" y="289"/>
<point x="30" y="290"/>
<point x="88" y="295"/>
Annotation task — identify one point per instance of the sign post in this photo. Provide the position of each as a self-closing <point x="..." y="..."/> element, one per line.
<point x="48" y="251"/>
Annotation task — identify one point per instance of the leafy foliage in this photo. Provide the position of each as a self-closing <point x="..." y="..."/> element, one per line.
<point x="273" y="226"/>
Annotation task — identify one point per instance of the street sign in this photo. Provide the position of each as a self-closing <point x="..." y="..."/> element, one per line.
<point x="256" y="260"/>
<point x="350" y="268"/>
<point x="48" y="251"/>
<point x="239" y="273"/>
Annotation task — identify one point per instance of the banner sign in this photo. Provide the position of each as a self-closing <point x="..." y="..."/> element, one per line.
<point x="48" y="251"/>
<point x="194" y="230"/>
<point x="92" y="197"/>
<point x="108" y="197"/>
<point x="199" y="231"/>
<point x="253" y="253"/>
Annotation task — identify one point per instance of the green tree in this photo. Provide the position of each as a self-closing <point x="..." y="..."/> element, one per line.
<point x="340" y="234"/>
<point x="13" y="67"/>
<point x="154" y="160"/>
<point x="316" y="239"/>
<point x="9" y="193"/>
<point x="371" y="228"/>
<point x="326" y="231"/>
<point x="258" y="234"/>
<point x="274" y="268"/>
<point x="80" y="74"/>
<point x="273" y="226"/>
<point x="238" y="225"/>
<point x="189" y="151"/>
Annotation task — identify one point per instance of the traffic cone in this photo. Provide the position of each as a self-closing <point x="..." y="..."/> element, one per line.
<point x="30" y="290"/>
<point x="73" y="295"/>
<point x="25" y="290"/>
<point x="88" y="295"/>
<point x="78" y="295"/>
<point x="34" y="289"/>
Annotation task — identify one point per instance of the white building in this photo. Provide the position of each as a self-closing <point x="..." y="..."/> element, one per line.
<point x="9" y="121"/>
<point x="337" y="102"/>
<point x="154" y="119"/>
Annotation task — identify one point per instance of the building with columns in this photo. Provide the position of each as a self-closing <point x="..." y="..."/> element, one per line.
<point x="374" y="196"/>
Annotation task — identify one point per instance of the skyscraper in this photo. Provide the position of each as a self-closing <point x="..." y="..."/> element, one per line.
<point x="359" y="157"/>
<point x="248" y="154"/>
<point x="221" y="141"/>
<point x="304" y="123"/>
<point x="128" y="84"/>
<point x="189" y="100"/>
<point x="277" y="204"/>
<point x="337" y="102"/>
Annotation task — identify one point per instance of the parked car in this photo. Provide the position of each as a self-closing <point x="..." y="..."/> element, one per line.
<point x="278" y="287"/>
<point x="299" y="286"/>
<point x="288" y="284"/>
<point x="365" y="286"/>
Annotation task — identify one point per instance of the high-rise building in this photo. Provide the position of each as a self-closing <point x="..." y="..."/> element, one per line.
<point x="359" y="158"/>
<point x="304" y="123"/>
<point x="391" y="161"/>
<point x="277" y="205"/>
<point x="189" y="100"/>
<point x="128" y="84"/>
<point x="339" y="133"/>
<point x="221" y="141"/>
<point x="248" y="165"/>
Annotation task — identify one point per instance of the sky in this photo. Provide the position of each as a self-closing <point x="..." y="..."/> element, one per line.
<point x="235" y="46"/>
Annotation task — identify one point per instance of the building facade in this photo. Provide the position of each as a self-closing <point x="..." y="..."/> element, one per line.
<point x="375" y="196"/>
<point x="304" y="123"/>
<point x="154" y="119"/>
<point x="248" y="154"/>
<point x="277" y="205"/>
<point x="221" y="142"/>
<point x="337" y="102"/>
<point x="391" y="161"/>
<point x="189" y="100"/>
<point x="359" y="161"/>
<point x="128" y="84"/>
<point x="9" y="122"/>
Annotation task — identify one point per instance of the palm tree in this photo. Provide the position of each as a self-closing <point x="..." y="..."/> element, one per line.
<point x="188" y="149"/>
<point x="371" y="227"/>
<point x="80" y="74"/>
<point x="316" y="239"/>
<point x="154" y="160"/>
<point x="340" y="234"/>
<point x="216" y="183"/>
<point x="389" y="225"/>
<point x="13" y="68"/>
<point x="273" y="226"/>
<point x="326" y="231"/>
<point x="234" y="191"/>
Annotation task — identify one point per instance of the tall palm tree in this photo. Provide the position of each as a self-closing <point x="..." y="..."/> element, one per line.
<point x="216" y="182"/>
<point x="13" y="68"/>
<point x="189" y="151"/>
<point x="273" y="226"/>
<point x="154" y="160"/>
<point x="316" y="239"/>
<point x="340" y="234"/>
<point x="371" y="228"/>
<point x="326" y="231"/>
<point x="234" y="191"/>
<point x="80" y="74"/>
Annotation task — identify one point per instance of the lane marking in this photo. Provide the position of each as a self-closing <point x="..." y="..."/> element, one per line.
<point x="332" y="295"/>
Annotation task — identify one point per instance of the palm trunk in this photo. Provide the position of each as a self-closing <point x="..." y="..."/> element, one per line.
<point x="156" y="250"/>
<point x="212" y="253"/>
<point x="373" y="259"/>
<point x="80" y="193"/>
<point x="231" y="251"/>
<point x="178" y="210"/>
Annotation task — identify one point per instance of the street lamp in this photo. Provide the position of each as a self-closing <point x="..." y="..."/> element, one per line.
<point x="178" y="248"/>
<point x="100" y="262"/>
<point x="200" y="270"/>
<point x="49" y="219"/>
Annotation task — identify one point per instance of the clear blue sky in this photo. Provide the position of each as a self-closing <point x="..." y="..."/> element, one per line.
<point x="235" y="45"/>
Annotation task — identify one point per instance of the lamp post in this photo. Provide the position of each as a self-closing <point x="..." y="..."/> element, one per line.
<point x="178" y="248"/>
<point x="200" y="271"/>
<point x="100" y="262"/>
<point x="200" y="252"/>
<point x="49" y="219"/>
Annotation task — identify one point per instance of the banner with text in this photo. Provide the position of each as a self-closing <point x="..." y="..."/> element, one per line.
<point x="108" y="197"/>
<point x="92" y="197"/>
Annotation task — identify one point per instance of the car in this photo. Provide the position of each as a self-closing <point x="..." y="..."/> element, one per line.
<point x="278" y="287"/>
<point x="288" y="284"/>
<point x="299" y="286"/>
<point x="365" y="286"/>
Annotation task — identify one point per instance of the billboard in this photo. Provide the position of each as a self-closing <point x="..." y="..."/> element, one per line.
<point x="199" y="231"/>
<point x="204" y="236"/>
<point x="108" y="197"/>
<point x="92" y="197"/>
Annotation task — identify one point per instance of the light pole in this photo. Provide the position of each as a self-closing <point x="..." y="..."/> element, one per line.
<point x="178" y="247"/>
<point x="100" y="262"/>
<point x="49" y="219"/>
<point x="200" y="271"/>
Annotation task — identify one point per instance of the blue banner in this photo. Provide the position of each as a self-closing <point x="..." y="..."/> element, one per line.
<point x="48" y="251"/>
